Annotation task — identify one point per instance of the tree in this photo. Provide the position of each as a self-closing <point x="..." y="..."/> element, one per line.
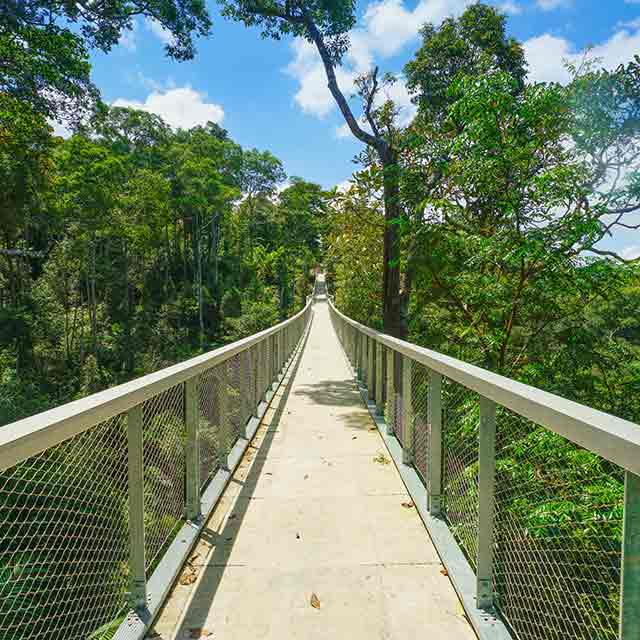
<point x="460" y="46"/>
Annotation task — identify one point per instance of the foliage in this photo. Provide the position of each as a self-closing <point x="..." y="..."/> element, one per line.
<point x="44" y="45"/>
<point x="120" y="245"/>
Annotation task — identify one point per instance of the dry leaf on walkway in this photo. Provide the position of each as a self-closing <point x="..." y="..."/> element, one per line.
<point x="381" y="459"/>
<point x="373" y="428"/>
<point x="444" y="572"/>
<point x="407" y="505"/>
<point x="198" y="632"/>
<point x="354" y="437"/>
<point x="315" y="601"/>
<point x="189" y="576"/>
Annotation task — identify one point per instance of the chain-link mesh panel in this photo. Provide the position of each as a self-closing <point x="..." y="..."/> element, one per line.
<point x="398" y="427"/>
<point x="421" y="436"/>
<point x="208" y="388"/>
<point x="164" y="469"/>
<point x="460" y="420"/>
<point x="234" y="407"/>
<point x="268" y="359"/>
<point x="64" y="538"/>
<point x="558" y="533"/>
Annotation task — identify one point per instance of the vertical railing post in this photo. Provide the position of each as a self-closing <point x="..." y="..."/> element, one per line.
<point x="360" y="342"/>
<point x="407" y="410"/>
<point x="434" y="427"/>
<point x="192" y="449"/>
<point x="390" y="414"/>
<point x="630" y="576"/>
<point x="379" y="382"/>
<point x="486" y="486"/>
<point x="135" y="444"/>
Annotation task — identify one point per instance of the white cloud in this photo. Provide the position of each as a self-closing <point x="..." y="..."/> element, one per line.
<point x="511" y="8"/>
<point x="631" y="252"/>
<point x="180" y="107"/>
<point x="546" y="54"/>
<point x="128" y="38"/>
<point x="550" y="5"/>
<point x="164" y="35"/>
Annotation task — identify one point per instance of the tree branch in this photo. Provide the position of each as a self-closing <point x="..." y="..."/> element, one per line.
<point x="332" y="82"/>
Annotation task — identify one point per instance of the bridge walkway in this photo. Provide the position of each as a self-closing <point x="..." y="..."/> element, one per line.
<point x="316" y="536"/>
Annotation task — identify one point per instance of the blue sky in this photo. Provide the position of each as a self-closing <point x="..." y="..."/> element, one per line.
<point x="272" y="95"/>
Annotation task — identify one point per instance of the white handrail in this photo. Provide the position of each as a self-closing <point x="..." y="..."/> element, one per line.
<point x="613" y="438"/>
<point x="28" y="437"/>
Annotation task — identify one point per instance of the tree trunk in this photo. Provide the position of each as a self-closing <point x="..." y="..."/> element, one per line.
<point x="394" y="318"/>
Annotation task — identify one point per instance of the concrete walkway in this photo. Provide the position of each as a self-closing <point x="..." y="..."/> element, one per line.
<point x="316" y="515"/>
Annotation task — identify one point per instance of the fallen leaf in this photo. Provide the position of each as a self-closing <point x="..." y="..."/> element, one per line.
<point x="381" y="459"/>
<point x="315" y="601"/>
<point x="354" y="437"/>
<point x="444" y="572"/>
<point x="232" y="516"/>
<point x="197" y="632"/>
<point x="407" y="505"/>
<point x="373" y="428"/>
<point x="188" y="577"/>
<point x="297" y="536"/>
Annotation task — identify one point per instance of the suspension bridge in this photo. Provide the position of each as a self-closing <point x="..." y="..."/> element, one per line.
<point x="320" y="480"/>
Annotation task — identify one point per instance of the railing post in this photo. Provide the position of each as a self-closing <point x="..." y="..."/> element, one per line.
<point x="192" y="449"/>
<point x="137" y="573"/>
<point x="371" y="375"/>
<point x="379" y="382"/>
<point x="407" y="410"/>
<point x="630" y="577"/>
<point x="255" y="398"/>
<point x="486" y="485"/>
<point x="390" y="415"/>
<point x="359" y="341"/>
<point x="434" y="422"/>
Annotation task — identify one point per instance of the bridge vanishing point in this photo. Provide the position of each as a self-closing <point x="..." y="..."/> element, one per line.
<point x="320" y="480"/>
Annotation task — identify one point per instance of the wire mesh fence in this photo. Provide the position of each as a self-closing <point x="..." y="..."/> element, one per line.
<point x="164" y="469"/>
<point x="460" y="419"/>
<point x="210" y="418"/>
<point x="64" y="537"/>
<point x="420" y="395"/>
<point x="558" y="532"/>
<point x="66" y="556"/>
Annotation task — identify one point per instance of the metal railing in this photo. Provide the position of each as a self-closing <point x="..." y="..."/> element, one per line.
<point x="101" y="499"/>
<point x="541" y="494"/>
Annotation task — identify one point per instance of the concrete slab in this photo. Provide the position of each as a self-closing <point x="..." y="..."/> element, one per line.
<point x="313" y="511"/>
